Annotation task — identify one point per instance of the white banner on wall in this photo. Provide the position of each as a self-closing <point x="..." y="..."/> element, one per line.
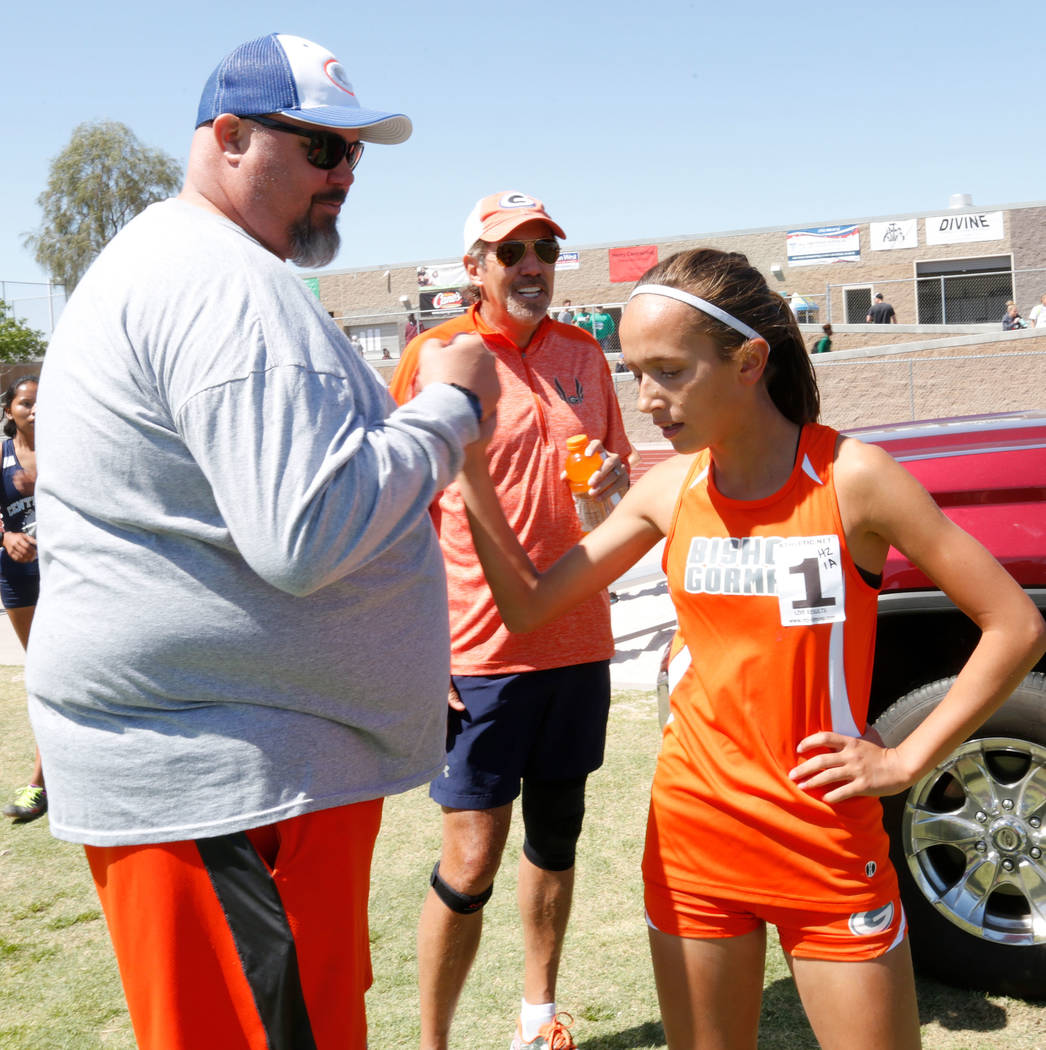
<point x="824" y="244"/>
<point x="969" y="226"/>
<point x="898" y="233"/>
<point x="569" y="261"/>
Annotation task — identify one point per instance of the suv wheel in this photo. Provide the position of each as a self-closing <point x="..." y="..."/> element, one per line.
<point x="968" y="842"/>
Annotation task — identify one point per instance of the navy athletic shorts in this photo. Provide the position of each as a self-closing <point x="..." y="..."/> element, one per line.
<point x="19" y="582"/>
<point x="538" y="725"/>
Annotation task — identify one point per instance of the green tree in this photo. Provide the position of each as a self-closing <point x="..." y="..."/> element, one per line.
<point x="18" y="342"/>
<point x="98" y="183"/>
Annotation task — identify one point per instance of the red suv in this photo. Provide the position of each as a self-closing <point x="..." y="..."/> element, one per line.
<point x="968" y="840"/>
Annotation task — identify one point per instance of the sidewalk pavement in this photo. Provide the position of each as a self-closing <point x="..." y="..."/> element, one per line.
<point x="643" y="621"/>
<point x="11" y="651"/>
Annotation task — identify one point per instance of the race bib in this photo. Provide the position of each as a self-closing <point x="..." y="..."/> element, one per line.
<point x="809" y="575"/>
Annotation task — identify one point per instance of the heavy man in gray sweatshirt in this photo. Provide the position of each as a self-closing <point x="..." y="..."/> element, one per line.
<point x="236" y="556"/>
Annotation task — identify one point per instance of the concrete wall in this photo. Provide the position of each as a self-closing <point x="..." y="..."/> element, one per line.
<point x="1005" y="372"/>
<point x="908" y="379"/>
<point x="904" y="381"/>
<point x="1028" y="240"/>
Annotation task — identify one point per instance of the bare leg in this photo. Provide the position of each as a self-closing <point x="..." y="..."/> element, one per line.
<point x="38" y="769"/>
<point x="21" y="620"/>
<point x="880" y="992"/>
<point x="473" y="841"/>
<point x="544" y="907"/>
<point x="709" y="990"/>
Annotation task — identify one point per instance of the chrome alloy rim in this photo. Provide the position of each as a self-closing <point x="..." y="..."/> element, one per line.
<point x="974" y="838"/>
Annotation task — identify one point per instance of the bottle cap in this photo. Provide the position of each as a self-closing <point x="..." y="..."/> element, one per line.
<point x="577" y="443"/>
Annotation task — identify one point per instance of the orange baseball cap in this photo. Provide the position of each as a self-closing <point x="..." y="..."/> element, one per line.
<point x="495" y="217"/>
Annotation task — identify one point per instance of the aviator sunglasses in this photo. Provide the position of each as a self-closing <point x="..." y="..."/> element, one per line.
<point x="510" y="252"/>
<point x="326" y="149"/>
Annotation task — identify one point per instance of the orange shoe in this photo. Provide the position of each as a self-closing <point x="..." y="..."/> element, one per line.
<point x="552" y="1036"/>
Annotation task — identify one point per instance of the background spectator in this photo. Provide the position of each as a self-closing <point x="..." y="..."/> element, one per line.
<point x="881" y="312"/>
<point x="1037" y="317"/>
<point x="1012" y="320"/>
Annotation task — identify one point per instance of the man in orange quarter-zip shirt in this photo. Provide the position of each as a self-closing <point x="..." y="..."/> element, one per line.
<point x="527" y="712"/>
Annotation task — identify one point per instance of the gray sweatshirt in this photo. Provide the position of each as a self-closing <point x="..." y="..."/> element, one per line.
<point x="243" y="610"/>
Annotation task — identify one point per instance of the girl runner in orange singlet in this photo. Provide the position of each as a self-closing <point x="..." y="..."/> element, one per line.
<point x="764" y="804"/>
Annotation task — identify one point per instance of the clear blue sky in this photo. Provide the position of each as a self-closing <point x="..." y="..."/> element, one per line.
<point x="632" y="120"/>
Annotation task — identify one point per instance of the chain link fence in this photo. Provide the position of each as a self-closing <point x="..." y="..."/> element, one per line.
<point x="382" y="336"/>
<point x="940" y="298"/>
<point x="977" y="296"/>
<point x="963" y="299"/>
<point x="880" y="390"/>
<point x="34" y="303"/>
<point x="896" y="389"/>
<point x="379" y="336"/>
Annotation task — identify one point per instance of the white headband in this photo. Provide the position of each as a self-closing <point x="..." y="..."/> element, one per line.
<point x="698" y="304"/>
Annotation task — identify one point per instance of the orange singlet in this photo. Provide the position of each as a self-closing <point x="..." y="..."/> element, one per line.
<point x="778" y="627"/>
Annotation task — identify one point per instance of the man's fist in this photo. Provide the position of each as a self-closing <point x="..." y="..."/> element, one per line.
<point x="465" y="361"/>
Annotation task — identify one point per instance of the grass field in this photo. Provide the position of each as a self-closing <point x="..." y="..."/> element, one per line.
<point x="59" y="989"/>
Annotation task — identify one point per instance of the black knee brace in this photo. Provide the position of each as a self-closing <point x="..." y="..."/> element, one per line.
<point x="553" y="811"/>
<point x="462" y="903"/>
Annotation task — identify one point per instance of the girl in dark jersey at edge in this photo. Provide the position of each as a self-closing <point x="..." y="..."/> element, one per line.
<point x="764" y="805"/>
<point x="19" y="568"/>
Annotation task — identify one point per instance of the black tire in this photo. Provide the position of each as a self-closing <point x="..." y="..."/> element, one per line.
<point x="969" y="845"/>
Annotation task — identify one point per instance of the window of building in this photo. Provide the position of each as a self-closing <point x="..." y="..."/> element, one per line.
<point x="374" y="340"/>
<point x="964" y="291"/>
<point x="857" y="301"/>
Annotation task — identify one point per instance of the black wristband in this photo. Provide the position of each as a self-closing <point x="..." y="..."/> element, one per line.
<point x="473" y="399"/>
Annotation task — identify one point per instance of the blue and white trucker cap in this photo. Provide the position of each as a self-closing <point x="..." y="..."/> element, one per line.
<point x="292" y="76"/>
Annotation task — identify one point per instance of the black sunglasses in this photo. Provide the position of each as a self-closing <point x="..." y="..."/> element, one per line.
<point x="326" y="149"/>
<point x="510" y="252"/>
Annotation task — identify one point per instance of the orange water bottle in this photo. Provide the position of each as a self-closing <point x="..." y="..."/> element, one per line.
<point x="591" y="510"/>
